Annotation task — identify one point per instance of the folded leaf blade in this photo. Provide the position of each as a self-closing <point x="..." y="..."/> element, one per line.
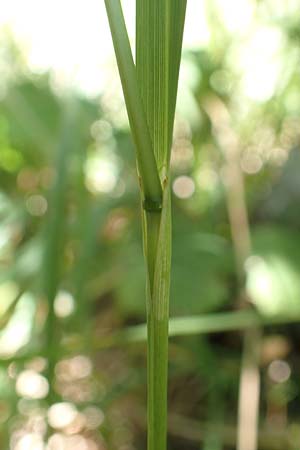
<point x="146" y="161"/>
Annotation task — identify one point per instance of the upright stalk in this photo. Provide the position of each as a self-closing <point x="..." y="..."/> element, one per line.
<point x="158" y="252"/>
<point x="150" y="90"/>
<point x="249" y="387"/>
<point x="54" y="233"/>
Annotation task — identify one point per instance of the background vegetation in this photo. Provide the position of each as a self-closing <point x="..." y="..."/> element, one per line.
<point x="72" y="369"/>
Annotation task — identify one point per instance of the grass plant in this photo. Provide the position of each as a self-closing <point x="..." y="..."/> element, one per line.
<point x="150" y="90"/>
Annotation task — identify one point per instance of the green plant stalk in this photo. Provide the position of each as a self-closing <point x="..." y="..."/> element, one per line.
<point x="159" y="30"/>
<point x="158" y="254"/>
<point x="150" y="91"/>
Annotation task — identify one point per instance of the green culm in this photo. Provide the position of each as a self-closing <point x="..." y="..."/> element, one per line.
<point x="150" y="91"/>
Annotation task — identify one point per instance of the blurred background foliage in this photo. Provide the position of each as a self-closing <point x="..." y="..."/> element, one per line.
<point x="72" y="270"/>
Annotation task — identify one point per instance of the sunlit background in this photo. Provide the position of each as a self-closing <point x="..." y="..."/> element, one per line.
<point x="72" y="272"/>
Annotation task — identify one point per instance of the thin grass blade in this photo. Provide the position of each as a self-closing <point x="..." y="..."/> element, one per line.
<point x="178" y="11"/>
<point x="145" y="157"/>
<point x="54" y="237"/>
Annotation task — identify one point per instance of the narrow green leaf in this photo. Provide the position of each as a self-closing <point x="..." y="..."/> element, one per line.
<point x="159" y="33"/>
<point x="178" y="10"/>
<point x="209" y="323"/>
<point x="152" y="64"/>
<point x="144" y="150"/>
<point x="54" y="234"/>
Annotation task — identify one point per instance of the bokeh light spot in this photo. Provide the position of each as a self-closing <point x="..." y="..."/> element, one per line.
<point x="64" y="304"/>
<point x="279" y="371"/>
<point x="60" y="415"/>
<point x="31" y="384"/>
<point x="36" y="205"/>
<point x="183" y="187"/>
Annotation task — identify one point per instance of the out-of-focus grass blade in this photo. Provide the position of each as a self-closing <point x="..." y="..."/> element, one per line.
<point x="54" y="234"/>
<point x="30" y="121"/>
<point x="93" y="222"/>
<point x="210" y="323"/>
<point x="5" y="317"/>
